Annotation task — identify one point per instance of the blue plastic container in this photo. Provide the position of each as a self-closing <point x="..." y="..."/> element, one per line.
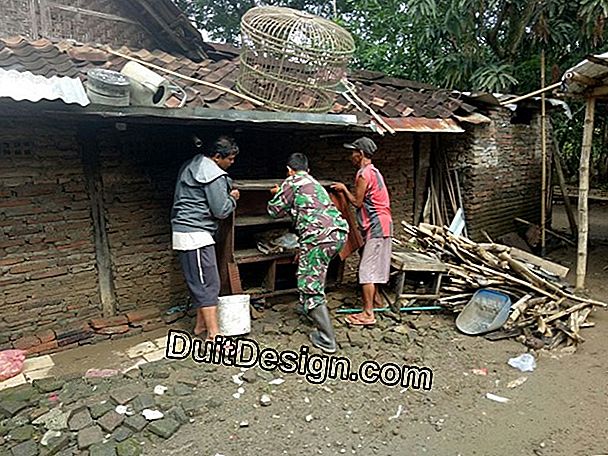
<point x="487" y="311"/>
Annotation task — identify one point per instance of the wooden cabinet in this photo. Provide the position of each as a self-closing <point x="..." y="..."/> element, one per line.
<point x="245" y="269"/>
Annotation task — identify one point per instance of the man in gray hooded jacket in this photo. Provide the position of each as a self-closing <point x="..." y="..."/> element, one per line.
<point x="203" y="197"/>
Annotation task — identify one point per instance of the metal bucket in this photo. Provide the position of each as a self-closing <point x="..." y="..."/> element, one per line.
<point x="147" y="87"/>
<point x="234" y="315"/>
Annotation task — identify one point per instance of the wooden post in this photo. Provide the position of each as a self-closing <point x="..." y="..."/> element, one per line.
<point x="92" y="174"/>
<point x="562" y="185"/>
<point x="543" y="136"/>
<point x="583" y="194"/>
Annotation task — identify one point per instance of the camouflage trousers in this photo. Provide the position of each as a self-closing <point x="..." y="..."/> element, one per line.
<point x="312" y="269"/>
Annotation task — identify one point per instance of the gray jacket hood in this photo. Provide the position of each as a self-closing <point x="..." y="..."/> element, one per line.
<point x="201" y="170"/>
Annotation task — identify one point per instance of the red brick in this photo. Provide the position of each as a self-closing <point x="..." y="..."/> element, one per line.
<point x="113" y="329"/>
<point x="142" y="314"/>
<point x="45" y="347"/>
<point x="26" y="342"/>
<point x="98" y="323"/>
<point x="46" y="336"/>
<point x="151" y="325"/>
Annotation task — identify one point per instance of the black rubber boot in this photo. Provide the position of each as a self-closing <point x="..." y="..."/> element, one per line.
<point x="324" y="337"/>
<point x="300" y="310"/>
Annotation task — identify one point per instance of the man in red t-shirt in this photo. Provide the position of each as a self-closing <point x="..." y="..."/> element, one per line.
<point x="375" y="221"/>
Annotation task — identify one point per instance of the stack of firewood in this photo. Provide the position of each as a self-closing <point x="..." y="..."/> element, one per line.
<point x="545" y="311"/>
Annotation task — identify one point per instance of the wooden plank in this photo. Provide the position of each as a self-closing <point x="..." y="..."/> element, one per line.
<point x="583" y="214"/>
<point x="255" y="220"/>
<point x="266" y="184"/>
<point x="255" y="256"/>
<point x="34" y="19"/>
<point x="414" y="261"/>
<point x="94" y="187"/>
<point x="554" y="268"/>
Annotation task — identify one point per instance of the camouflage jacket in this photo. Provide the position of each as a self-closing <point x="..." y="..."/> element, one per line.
<point x="310" y="207"/>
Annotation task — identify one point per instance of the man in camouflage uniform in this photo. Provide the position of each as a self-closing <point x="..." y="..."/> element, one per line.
<point x="321" y="235"/>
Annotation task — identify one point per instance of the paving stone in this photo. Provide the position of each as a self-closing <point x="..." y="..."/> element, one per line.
<point x="110" y="421"/>
<point x="54" y="420"/>
<point x="103" y="449"/>
<point x="250" y="376"/>
<point x="79" y="419"/>
<point x="74" y="391"/>
<point x="136" y="422"/>
<point x="125" y="394"/>
<point x="143" y="401"/>
<point x="186" y="378"/>
<point x="10" y="408"/>
<point x="155" y="355"/>
<point x="133" y="374"/>
<point x="37" y="412"/>
<point x="141" y="349"/>
<point x="28" y="448"/>
<point x="21" y="393"/>
<point x="89" y="436"/>
<point x="130" y="447"/>
<point x="214" y="402"/>
<point x="182" y="390"/>
<point x="178" y="414"/>
<point x="56" y="444"/>
<point x="155" y="371"/>
<point x="12" y="382"/>
<point x="39" y="362"/>
<point x="23" y="433"/>
<point x="164" y="427"/>
<point x="193" y="406"/>
<point x="122" y="433"/>
<point x="100" y="409"/>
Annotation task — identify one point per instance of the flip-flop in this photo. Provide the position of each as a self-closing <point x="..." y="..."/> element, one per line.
<point x="356" y="321"/>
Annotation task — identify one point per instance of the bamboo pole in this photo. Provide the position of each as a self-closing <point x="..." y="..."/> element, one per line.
<point x="562" y="185"/>
<point x="543" y="136"/>
<point x="187" y="78"/>
<point x="583" y="194"/>
<point x="531" y="94"/>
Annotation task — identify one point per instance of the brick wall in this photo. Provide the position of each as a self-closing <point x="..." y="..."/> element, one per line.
<point x="500" y="172"/>
<point x="47" y="259"/>
<point x="48" y="273"/>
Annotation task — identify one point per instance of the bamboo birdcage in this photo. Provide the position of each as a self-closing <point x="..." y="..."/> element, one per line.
<point x="292" y="60"/>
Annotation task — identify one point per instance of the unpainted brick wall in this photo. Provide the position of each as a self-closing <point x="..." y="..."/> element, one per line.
<point x="500" y="169"/>
<point x="48" y="277"/>
<point x="47" y="256"/>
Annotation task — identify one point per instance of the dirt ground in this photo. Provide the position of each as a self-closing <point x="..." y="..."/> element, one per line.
<point x="562" y="408"/>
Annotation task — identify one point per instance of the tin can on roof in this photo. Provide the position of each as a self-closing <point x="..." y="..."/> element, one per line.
<point x="108" y="83"/>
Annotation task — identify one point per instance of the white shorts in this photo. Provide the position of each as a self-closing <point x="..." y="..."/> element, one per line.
<point x="375" y="265"/>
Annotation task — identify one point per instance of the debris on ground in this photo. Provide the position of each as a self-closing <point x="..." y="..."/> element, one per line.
<point x="524" y="362"/>
<point x="546" y="312"/>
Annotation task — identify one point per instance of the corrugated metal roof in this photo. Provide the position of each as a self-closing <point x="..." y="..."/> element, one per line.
<point x="423" y="125"/>
<point x="21" y="86"/>
<point x="587" y="74"/>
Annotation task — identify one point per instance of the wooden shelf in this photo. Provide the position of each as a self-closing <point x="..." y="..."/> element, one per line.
<point x="256" y="220"/>
<point x="266" y="184"/>
<point x="255" y="256"/>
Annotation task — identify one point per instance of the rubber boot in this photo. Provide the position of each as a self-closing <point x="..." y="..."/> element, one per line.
<point x="324" y="337"/>
<point x="300" y="310"/>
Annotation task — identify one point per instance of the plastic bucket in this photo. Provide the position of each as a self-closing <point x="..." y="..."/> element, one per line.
<point x="234" y="315"/>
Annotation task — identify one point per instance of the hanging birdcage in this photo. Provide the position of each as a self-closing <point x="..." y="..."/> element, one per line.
<point x="292" y="60"/>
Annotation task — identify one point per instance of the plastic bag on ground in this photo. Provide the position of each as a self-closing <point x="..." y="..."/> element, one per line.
<point x="525" y="362"/>
<point x="11" y="363"/>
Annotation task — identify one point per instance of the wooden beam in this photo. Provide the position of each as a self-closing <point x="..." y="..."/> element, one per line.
<point x="34" y="19"/>
<point x="583" y="193"/>
<point x="94" y="186"/>
<point x="597" y="61"/>
<point x="543" y="145"/>
<point x="45" y="17"/>
<point x="88" y="12"/>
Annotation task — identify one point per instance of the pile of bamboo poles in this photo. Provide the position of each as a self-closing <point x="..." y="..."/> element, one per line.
<point x="443" y="198"/>
<point x="545" y="311"/>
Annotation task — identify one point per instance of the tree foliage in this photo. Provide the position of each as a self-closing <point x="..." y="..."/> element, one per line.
<point x="491" y="45"/>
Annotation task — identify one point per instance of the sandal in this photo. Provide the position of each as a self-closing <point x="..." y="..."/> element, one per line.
<point x="356" y="320"/>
